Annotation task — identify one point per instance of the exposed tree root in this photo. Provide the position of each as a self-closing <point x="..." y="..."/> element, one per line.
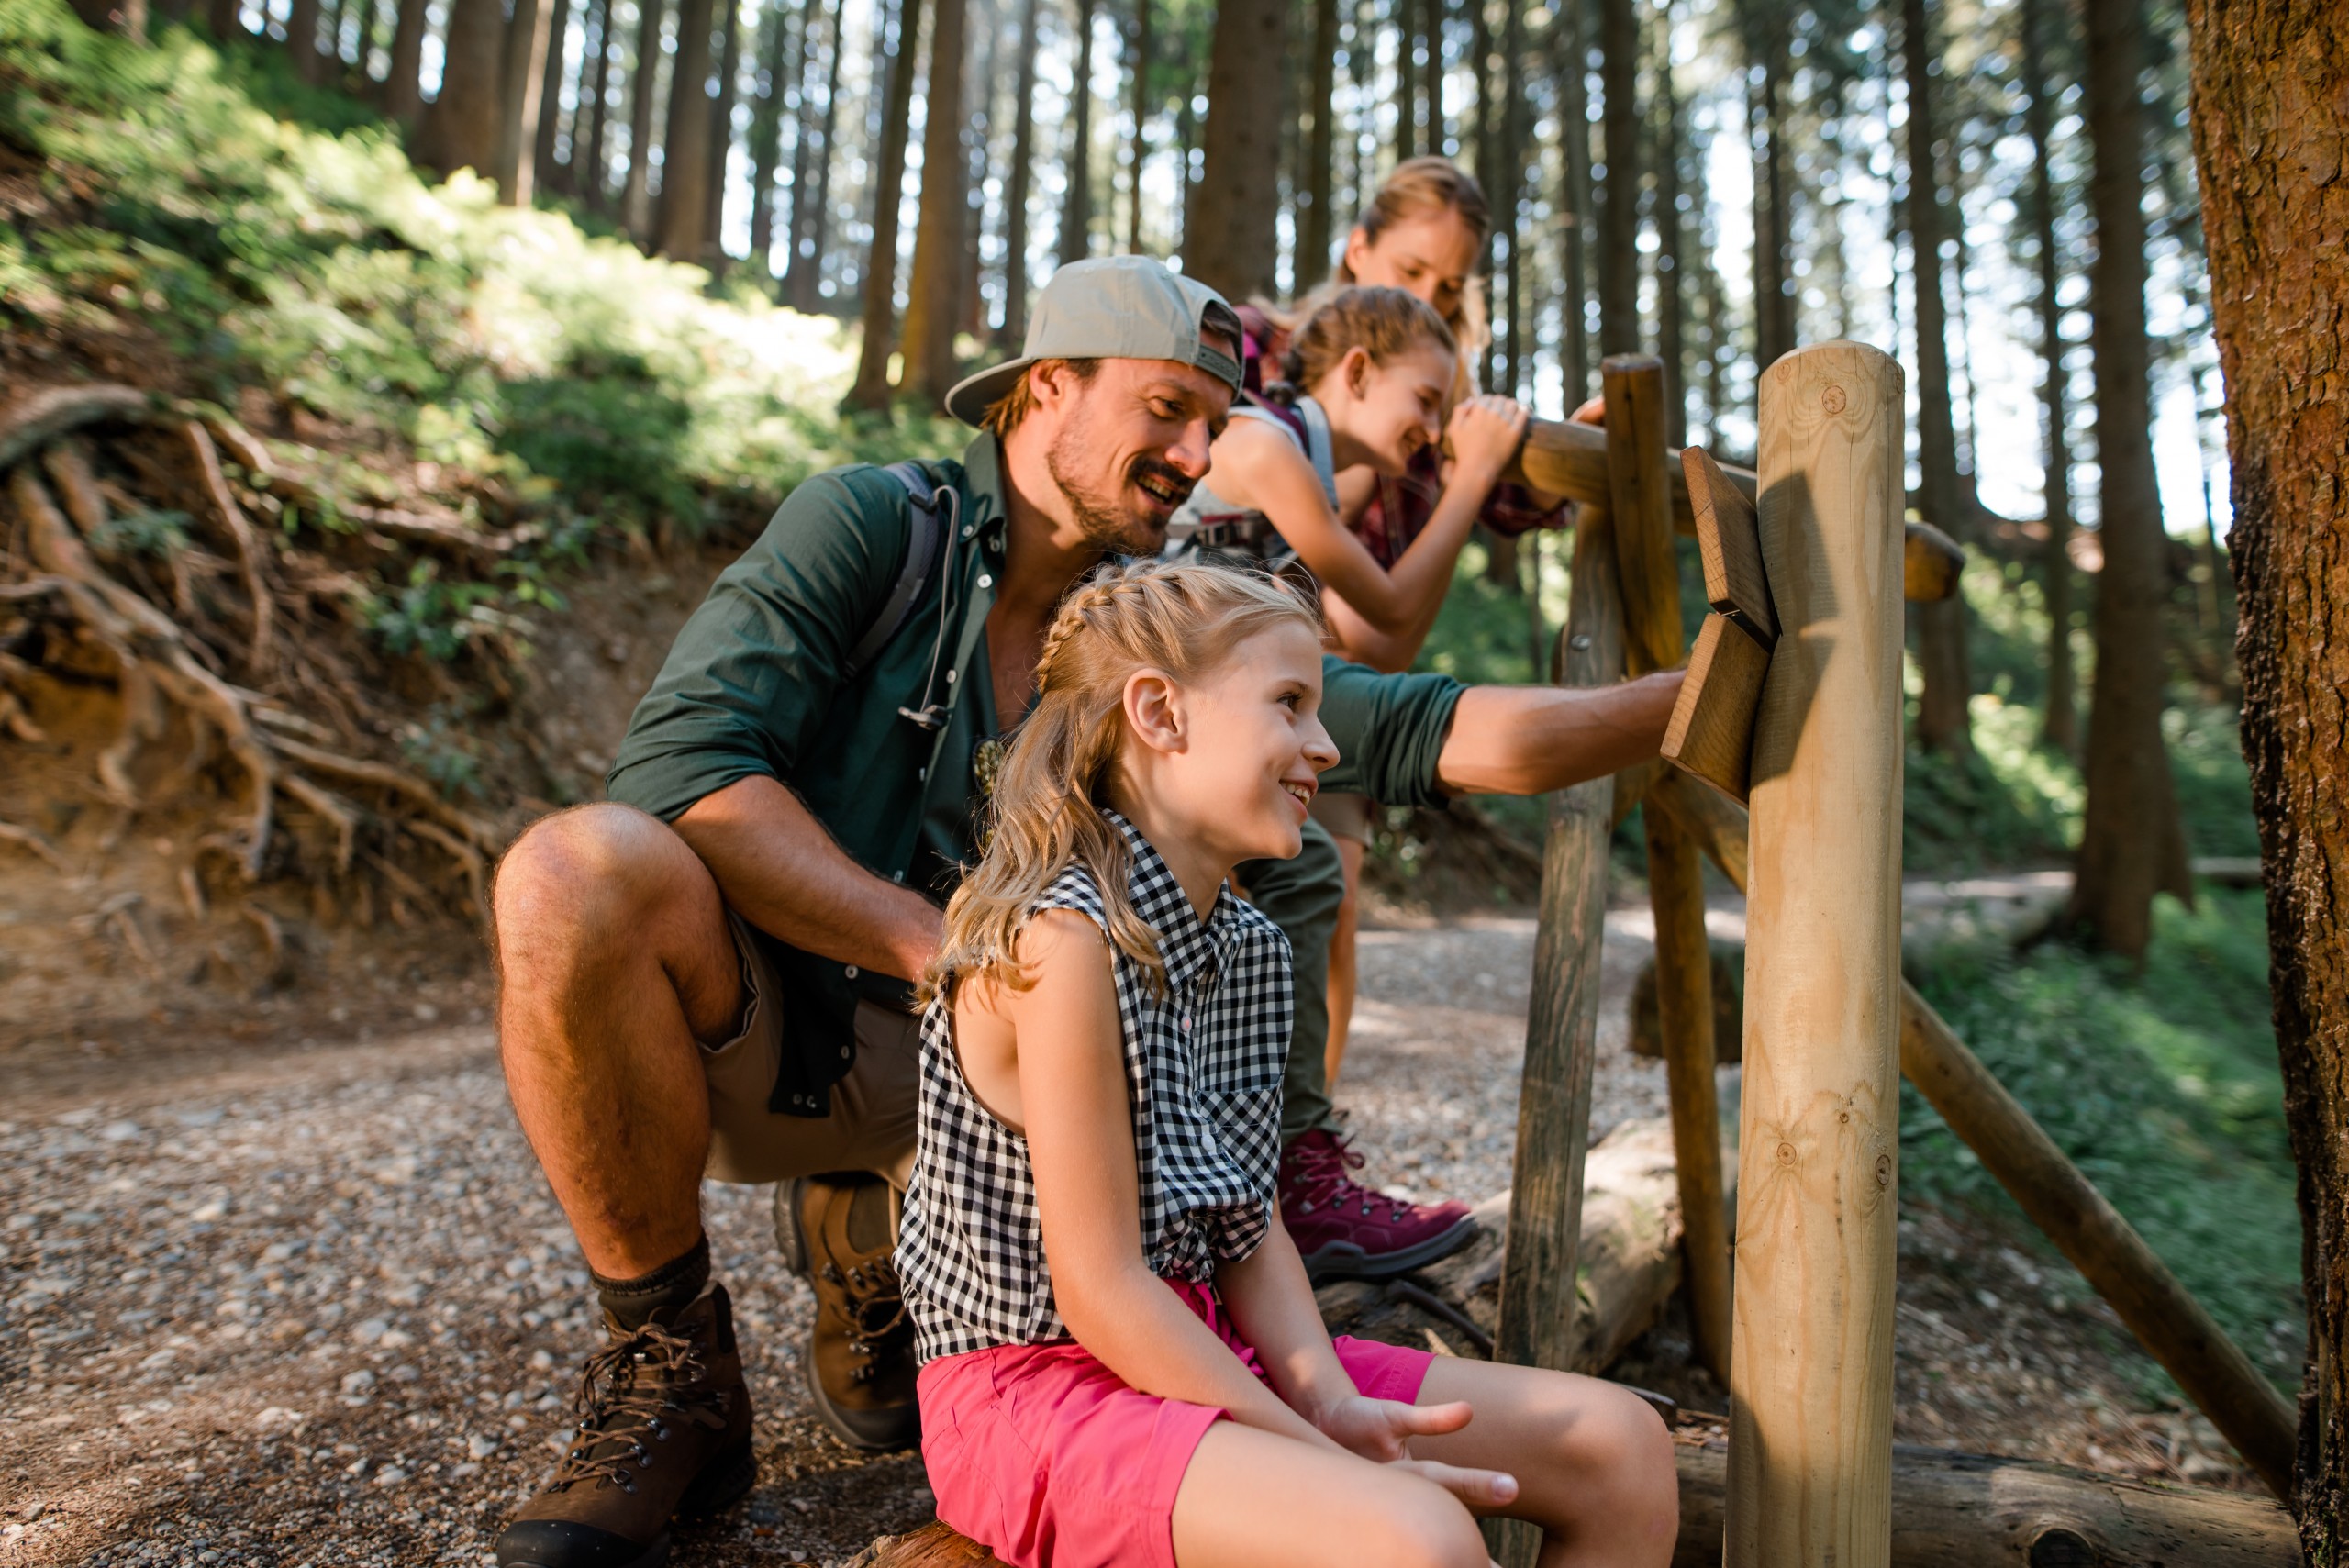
<point x="24" y="838"/>
<point x="33" y="420"/>
<point x="251" y="555"/>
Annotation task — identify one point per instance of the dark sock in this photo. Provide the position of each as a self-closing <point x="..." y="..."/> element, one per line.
<point x="675" y="1284"/>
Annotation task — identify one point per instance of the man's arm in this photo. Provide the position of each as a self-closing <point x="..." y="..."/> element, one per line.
<point x="774" y="864"/>
<point x="1531" y="739"/>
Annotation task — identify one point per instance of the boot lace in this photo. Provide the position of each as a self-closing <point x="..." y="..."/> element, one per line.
<point x="869" y="1304"/>
<point x="632" y="1394"/>
<point x="1319" y="1178"/>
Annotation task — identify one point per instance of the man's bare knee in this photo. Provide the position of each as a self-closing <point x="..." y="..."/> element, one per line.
<point x="596" y="873"/>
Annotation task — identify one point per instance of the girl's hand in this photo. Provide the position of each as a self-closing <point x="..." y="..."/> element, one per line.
<point x="1382" y="1430"/>
<point x="1485" y="433"/>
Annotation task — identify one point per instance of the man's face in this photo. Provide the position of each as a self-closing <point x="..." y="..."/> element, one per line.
<point x="1125" y="448"/>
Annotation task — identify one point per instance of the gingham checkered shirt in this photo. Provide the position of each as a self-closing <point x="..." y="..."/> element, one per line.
<point x="1203" y="1066"/>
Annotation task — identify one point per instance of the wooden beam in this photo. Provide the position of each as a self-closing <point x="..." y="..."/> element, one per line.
<point x="1632" y="386"/>
<point x="1729" y="539"/>
<point x="1810" y="1376"/>
<point x="1711" y="731"/>
<point x="2175" y="1328"/>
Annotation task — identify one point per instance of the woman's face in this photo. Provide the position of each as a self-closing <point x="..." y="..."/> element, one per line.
<point x="1391" y="410"/>
<point x="1430" y="254"/>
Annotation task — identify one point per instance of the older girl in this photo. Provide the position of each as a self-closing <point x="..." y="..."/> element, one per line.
<point x="1123" y="1362"/>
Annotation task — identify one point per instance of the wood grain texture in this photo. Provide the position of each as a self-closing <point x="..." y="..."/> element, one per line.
<point x="1712" y="732"/>
<point x="1729" y="542"/>
<point x="1810" y="1377"/>
<point x="1639" y="498"/>
<point x="2174" y="1328"/>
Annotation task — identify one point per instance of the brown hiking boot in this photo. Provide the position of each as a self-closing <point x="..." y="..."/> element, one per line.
<point x="664" y="1433"/>
<point x="842" y="1232"/>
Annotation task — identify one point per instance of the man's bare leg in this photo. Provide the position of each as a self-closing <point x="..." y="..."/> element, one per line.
<point x="615" y="960"/>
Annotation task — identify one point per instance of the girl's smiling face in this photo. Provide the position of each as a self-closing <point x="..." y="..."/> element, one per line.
<point x="1432" y="254"/>
<point x="1390" y="410"/>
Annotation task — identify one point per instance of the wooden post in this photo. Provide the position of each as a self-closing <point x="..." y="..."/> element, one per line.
<point x="2175" y="1330"/>
<point x="1641" y="484"/>
<point x="1538" y="1278"/>
<point x="1810" y="1374"/>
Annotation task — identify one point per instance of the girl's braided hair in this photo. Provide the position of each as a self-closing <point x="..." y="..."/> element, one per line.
<point x="1384" y="323"/>
<point x="1046" y="813"/>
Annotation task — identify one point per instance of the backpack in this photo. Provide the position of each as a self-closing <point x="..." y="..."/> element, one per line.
<point x="932" y="516"/>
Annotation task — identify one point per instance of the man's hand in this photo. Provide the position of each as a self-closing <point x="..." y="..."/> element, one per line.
<point x="1382" y="1430"/>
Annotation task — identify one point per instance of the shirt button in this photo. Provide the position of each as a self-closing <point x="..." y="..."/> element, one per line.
<point x="851" y="972"/>
<point x="949" y="677"/>
<point x="845" y="1053"/>
<point x="986" y="580"/>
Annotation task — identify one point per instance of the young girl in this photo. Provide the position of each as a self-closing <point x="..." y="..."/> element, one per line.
<point x="1124" y="1364"/>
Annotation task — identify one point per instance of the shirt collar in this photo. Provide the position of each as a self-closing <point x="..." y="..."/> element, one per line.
<point x="988" y="504"/>
<point x="1186" y="946"/>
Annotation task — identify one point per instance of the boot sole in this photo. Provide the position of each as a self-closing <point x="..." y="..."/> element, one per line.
<point x="722" y="1483"/>
<point x="1344" y="1260"/>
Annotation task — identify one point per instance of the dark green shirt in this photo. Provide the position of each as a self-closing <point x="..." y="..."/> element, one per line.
<point x="757" y="683"/>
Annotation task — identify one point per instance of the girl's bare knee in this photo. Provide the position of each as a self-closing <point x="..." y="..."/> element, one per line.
<point x="1423" y="1526"/>
<point x="1625" y="1447"/>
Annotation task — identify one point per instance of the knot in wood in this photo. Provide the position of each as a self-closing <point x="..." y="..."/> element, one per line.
<point x="1786" y="1154"/>
<point x="1883" y="1169"/>
<point x="1831" y="399"/>
<point x="2058" y="1547"/>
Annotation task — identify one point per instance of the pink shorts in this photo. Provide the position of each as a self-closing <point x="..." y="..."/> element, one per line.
<point x="1042" y="1455"/>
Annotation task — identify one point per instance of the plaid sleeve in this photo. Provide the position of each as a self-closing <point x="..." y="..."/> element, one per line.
<point x="1510" y="510"/>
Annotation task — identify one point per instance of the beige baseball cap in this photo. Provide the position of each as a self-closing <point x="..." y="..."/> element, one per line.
<point x="1113" y="307"/>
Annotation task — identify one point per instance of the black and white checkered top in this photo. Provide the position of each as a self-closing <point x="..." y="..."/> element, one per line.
<point x="1203" y="1076"/>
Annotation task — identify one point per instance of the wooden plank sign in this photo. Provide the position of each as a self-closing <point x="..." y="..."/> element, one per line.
<point x="1730" y="544"/>
<point x="1712" y="732"/>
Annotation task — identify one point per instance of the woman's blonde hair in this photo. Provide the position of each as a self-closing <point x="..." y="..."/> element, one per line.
<point x="1046" y="813"/>
<point x="1383" y="322"/>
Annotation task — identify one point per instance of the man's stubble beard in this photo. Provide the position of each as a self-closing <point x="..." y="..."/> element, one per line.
<point x="1104" y="522"/>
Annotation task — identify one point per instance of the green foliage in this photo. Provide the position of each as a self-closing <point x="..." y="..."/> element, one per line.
<point x="2163" y="1087"/>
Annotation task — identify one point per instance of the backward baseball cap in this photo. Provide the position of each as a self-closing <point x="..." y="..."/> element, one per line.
<point x="1113" y="307"/>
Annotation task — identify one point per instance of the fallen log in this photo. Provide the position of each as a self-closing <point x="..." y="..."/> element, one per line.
<point x="1949" y="1510"/>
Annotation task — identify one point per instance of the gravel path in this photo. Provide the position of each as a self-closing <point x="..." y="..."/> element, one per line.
<point x="318" y="1307"/>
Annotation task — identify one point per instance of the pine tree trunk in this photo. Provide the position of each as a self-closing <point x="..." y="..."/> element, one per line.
<point x="1510" y="198"/>
<point x="684" y="142"/>
<point x="721" y="137"/>
<point x="1773" y="306"/>
<point x="403" y="92"/>
<point x="1236" y="247"/>
<point x="936" y="290"/>
<point x="1141" y="155"/>
<point x="774" y="46"/>
<point x="979" y="138"/>
<point x="644" y="73"/>
<point x="2061" y="728"/>
<point x="548" y="173"/>
<point x="1015" y="201"/>
<point x="2132" y="844"/>
<point x="1574" y="197"/>
<point x="2271" y="115"/>
<point x="1407" y="79"/>
<point x="797" y="281"/>
<point x="1483" y="138"/>
<point x="1619" y="213"/>
<point x="226" y="20"/>
<point x="880" y="282"/>
<point x="1439" y="131"/>
<point x="301" y="39"/>
<point x="1941" y="720"/>
<point x="1672" y="283"/>
<point x="522" y="77"/>
<point x="1076" y="211"/>
<point x="1315" y="231"/>
<point x="463" y="127"/>
<point x="820" y="217"/>
<point x="591" y="175"/>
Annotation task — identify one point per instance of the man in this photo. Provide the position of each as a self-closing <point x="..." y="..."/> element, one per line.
<point x="707" y="975"/>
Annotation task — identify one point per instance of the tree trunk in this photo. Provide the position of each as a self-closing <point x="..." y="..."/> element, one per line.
<point x="721" y="137"/>
<point x="463" y="127"/>
<point x="1511" y="199"/>
<point x="636" y="197"/>
<point x="935" y="289"/>
<point x="226" y="20"/>
<point x="545" y="171"/>
<point x="1237" y="246"/>
<point x="301" y="39"/>
<point x="2061" y="728"/>
<point x="521" y="99"/>
<point x="684" y="142"/>
<point x="1141" y="155"/>
<point x="1407" y="79"/>
<point x="1618" y="194"/>
<point x="1670" y="278"/>
<point x="1315" y="232"/>
<point x="1076" y="211"/>
<point x="880" y="282"/>
<point x="1439" y="132"/>
<point x="590" y="173"/>
<point x="978" y="149"/>
<point x="798" y="290"/>
<point x="1482" y="140"/>
<point x="1015" y="201"/>
<point x="1574" y="196"/>
<point x="1774" y="317"/>
<point x="1941" y="720"/>
<point x="819" y="216"/>
<point x="2271" y="114"/>
<point x="2132" y="843"/>
<point x="774" y="47"/>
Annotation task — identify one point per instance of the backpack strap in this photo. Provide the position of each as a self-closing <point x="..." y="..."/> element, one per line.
<point x="930" y="517"/>
<point x="1318" y="451"/>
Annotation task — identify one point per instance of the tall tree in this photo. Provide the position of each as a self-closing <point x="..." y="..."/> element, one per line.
<point x="403" y="90"/>
<point x="978" y="139"/>
<point x="774" y="51"/>
<point x="1015" y="200"/>
<point x="636" y="196"/>
<point x="1619" y="193"/>
<point x="462" y="131"/>
<point x="549" y="172"/>
<point x="522" y="75"/>
<point x="2132" y="842"/>
<point x="880" y="282"/>
<point x="1574" y="195"/>
<point x="685" y="142"/>
<point x="1140" y="156"/>
<point x="594" y="176"/>
<point x="799" y="290"/>
<point x="1407" y="79"/>
<point x="1438" y="130"/>
<point x="225" y="18"/>
<point x="2061" y="727"/>
<point x="1766" y="49"/>
<point x="1509" y="212"/>
<point x="1942" y="721"/>
<point x="1483" y="113"/>
<point x="1315" y="234"/>
<point x="820" y="207"/>
<point x="933" y="297"/>
<point x="1671" y="277"/>
<point x="301" y="39"/>
<point x="1235" y="246"/>
<point x="2271" y="115"/>
<point x="721" y="135"/>
<point x="1076" y="209"/>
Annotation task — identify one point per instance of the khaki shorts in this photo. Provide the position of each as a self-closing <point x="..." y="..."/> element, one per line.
<point x="872" y="1124"/>
<point x="1346" y="816"/>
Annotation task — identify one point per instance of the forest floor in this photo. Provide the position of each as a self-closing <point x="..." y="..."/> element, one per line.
<point x="306" y="1299"/>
